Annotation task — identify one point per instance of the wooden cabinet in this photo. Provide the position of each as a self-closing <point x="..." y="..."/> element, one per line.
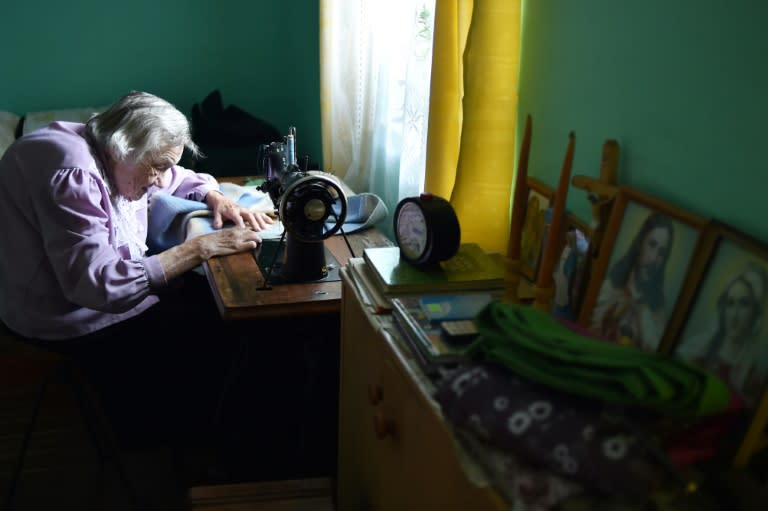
<point x="395" y="450"/>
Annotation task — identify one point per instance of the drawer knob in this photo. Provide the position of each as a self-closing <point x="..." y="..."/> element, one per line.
<point x="375" y="394"/>
<point x="381" y="426"/>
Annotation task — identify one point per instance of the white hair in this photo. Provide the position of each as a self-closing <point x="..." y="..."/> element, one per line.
<point x="140" y="124"/>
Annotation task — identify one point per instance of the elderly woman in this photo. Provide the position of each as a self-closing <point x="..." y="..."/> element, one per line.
<point x="73" y="199"/>
<point x="75" y="275"/>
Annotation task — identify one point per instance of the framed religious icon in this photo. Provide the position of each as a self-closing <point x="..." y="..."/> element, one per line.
<point x="719" y="321"/>
<point x="540" y="197"/>
<point x="570" y="270"/>
<point x="640" y="269"/>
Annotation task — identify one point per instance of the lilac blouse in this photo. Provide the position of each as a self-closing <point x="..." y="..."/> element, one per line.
<point x="65" y="268"/>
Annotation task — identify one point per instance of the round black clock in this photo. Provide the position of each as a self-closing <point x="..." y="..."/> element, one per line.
<point x="426" y="229"/>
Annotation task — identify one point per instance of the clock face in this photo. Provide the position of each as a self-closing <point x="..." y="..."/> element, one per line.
<point x="411" y="230"/>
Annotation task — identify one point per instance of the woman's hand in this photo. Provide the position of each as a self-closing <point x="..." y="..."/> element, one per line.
<point x="181" y="258"/>
<point x="228" y="241"/>
<point x="227" y="209"/>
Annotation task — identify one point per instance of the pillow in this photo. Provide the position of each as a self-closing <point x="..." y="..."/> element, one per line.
<point x="36" y="120"/>
<point x="8" y="123"/>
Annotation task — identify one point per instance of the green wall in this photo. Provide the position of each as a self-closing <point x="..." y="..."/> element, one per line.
<point x="261" y="56"/>
<point x="682" y="86"/>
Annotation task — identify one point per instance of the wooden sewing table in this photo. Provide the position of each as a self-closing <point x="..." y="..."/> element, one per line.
<point x="294" y="329"/>
<point x="237" y="282"/>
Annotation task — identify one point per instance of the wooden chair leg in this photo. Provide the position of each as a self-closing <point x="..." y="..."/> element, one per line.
<point x="96" y="425"/>
<point x="544" y="289"/>
<point x="99" y="429"/>
<point x="520" y="197"/>
<point x="10" y="495"/>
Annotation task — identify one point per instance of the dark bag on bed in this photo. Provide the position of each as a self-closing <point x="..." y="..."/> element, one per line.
<point x="230" y="138"/>
<point x="212" y="124"/>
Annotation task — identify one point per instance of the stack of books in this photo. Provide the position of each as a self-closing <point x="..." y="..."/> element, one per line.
<point x="420" y="300"/>
<point x="427" y="332"/>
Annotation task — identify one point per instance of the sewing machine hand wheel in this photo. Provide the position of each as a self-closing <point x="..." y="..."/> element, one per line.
<point x="307" y="204"/>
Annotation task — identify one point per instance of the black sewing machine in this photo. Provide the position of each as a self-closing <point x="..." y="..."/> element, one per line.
<point x="311" y="205"/>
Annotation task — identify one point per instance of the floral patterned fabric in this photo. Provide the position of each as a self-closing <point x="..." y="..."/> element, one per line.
<point x="571" y="436"/>
<point x="527" y="487"/>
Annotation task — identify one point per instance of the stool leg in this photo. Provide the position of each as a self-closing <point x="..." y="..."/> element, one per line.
<point x="10" y="496"/>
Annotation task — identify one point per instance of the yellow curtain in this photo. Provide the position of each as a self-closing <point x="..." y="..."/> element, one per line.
<point x="473" y="112"/>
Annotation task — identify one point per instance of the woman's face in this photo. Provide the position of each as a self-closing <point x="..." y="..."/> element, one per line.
<point x="739" y="311"/>
<point x="133" y="179"/>
<point x="653" y="253"/>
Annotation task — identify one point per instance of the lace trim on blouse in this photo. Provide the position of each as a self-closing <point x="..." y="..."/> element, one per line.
<point x="128" y="230"/>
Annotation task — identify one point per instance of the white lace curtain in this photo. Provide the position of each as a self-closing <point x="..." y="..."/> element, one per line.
<point x="375" y="62"/>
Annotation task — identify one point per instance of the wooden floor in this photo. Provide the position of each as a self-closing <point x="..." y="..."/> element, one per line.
<point x="62" y="469"/>
<point x="296" y="495"/>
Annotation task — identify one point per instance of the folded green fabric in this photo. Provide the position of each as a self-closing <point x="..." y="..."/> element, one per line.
<point x="537" y="346"/>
